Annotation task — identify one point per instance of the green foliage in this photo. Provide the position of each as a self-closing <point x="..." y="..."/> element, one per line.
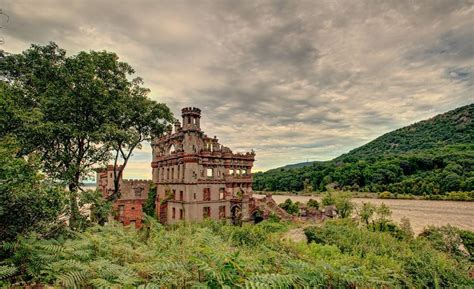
<point x="366" y="212"/>
<point x="307" y="187"/>
<point x="398" y="262"/>
<point x="100" y="208"/>
<point x="7" y="271"/>
<point x="290" y="207"/>
<point x="312" y="203"/>
<point x="328" y="199"/>
<point x="344" y="206"/>
<point x="341" y="200"/>
<point x="457" y="243"/>
<point x="430" y="158"/>
<point x="82" y="107"/>
<point x="384" y="213"/>
<point x="385" y="195"/>
<point x="406" y="228"/>
<point x="214" y="255"/>
<point x="28" y="201"/>
<point x="149" y="207"/>
<point x="468" y="242"/>
<point x="450" y="128"/>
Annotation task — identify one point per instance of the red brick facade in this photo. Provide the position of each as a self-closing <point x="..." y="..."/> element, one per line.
<point x="128" y="209"/>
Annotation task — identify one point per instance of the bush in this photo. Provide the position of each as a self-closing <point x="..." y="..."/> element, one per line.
<point x="385" y="195"/>
<point x="450" y="240"/>
<point x="341" y="200"/>
<point x="328" y="199"/>
<point x="290" y="207"/>
<point x="366" y="212"/>
<point x="312" y="203"/>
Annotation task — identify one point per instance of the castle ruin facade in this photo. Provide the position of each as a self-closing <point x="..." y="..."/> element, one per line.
<point x="195" y="177"/>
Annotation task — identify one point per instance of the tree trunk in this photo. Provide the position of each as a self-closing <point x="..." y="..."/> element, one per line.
<point x="75" y="217"/>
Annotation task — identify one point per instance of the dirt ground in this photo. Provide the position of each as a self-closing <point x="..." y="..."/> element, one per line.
<point x="421" y="213"/>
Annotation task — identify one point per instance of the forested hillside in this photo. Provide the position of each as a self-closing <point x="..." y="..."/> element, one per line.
<point x="430" y="157"/>
<point x="451" y="128"/>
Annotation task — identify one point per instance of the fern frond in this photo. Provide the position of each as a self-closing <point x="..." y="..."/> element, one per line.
<point x="7" y="271"/>
<point x="100" y="283"/>
<point x="272" y="281"/>
<point x="149" y="286"/>
<point x="52" y="248"/>
<point x="73" y="279"/>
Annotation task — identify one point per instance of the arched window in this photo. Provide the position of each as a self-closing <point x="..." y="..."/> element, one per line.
<point x="172" y="149"/>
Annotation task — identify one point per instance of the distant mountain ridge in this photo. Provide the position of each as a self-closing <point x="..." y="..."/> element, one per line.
<point x="432" y="157"/>
<point x="449" y="128"/>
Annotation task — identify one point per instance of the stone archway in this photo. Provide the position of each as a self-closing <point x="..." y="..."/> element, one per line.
<point x="236" y="214"/>
<point x="256" y="216"/>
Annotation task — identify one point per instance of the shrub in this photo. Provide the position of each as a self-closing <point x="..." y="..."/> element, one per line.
<point x="290" y="207"/>
<point x="385" y="195"/>
<point x="312" y="203"/>
<point x="366" y="212"/>
<point x="328" y="199"/>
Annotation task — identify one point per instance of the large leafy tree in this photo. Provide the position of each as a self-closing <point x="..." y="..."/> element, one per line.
<point x="139" y="119"/>
<point x="28" y="201"/>
<point x="84" y="103"/>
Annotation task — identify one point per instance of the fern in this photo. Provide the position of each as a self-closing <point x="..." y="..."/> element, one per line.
<point x="100" y="283"/>
<point x="7" y="271"/>
<point x="73" y="279"/>
<point x="53" y="248"/>
<point x="273" y="281"/>
<point x="208" y="255"/>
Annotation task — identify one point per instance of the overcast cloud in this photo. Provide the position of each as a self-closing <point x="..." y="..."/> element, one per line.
<point x="293" y="80"/>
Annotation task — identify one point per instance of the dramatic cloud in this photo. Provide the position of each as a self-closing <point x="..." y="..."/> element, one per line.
<point x="294" y="80"/>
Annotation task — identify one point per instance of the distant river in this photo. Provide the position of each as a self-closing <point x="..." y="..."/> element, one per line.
<point x="421" y="213"/>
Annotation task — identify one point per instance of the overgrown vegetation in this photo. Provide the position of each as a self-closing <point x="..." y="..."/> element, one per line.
<point x="28" y="202"/>
<point x="340" y="254"/>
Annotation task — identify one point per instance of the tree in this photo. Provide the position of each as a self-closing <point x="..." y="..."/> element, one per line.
<point x="140" y="119"/>
<point x="384" y="213"/>
<point x="344" y="206"/>
<point x="16" y="112"/>
<point x="366" y="212"/>
<point x="81" y="99"/>
<point x="406" y="228"/>
<point x="307" y="187"/>
<point x="28" y="201"/>
<point x="99" y="207"/>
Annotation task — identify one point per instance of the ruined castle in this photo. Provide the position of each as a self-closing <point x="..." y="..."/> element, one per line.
<point x="195" y="177"/>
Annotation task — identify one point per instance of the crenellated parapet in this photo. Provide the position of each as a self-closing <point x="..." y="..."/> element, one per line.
<point x="136" y="181"/>
<point x="191" y="111"/>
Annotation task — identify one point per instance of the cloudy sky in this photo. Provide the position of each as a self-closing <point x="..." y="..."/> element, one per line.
<point x="293" y="80"/>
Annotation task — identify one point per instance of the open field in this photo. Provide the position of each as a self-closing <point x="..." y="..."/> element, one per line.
<point x="421" y="213"/>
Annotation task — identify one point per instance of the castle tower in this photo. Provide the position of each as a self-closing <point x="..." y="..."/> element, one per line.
<point x="200" y="178"/>
<point x="177" y="126"/>
<point x="191" y="118"/>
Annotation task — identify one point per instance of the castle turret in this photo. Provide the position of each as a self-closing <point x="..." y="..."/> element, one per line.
<point x="177" y="126"/>
<point x="191" y="118"/>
